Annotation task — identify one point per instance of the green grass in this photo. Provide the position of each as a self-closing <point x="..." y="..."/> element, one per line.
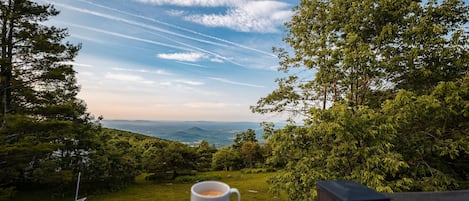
<point x="144" y="190"/>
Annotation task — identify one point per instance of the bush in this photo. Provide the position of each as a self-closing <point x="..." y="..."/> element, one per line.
<point x="6" y="193"/>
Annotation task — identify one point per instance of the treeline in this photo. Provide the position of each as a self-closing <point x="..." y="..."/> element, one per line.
<point x="122" y="156"/>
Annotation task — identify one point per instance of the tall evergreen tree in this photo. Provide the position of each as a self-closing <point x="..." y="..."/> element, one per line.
<point x="44" y="129"/>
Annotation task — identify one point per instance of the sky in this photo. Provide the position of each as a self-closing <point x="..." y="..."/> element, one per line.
<point x="185" y="60"/>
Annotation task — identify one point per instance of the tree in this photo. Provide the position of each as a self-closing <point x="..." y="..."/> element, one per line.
<point x="161" y="157"/>
<point x="337" y="143"/>
<point x="353" y="51"/>
<point x="248" y="136"/>
<point x="45" y="132"/>
<point x="367" y="65"/>
<point x="251" y="154"/>
<point x="114" y="164"/>
<point x="225" y="159"/>
<point x="204" y="155"/>
<point x="433" y="135"/>
<point x="431" y="48"/>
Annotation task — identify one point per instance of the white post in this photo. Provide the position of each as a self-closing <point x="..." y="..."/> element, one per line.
<point x="78" y="186"/>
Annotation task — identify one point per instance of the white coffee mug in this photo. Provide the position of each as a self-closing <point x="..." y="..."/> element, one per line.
<point x="212" y="191"/>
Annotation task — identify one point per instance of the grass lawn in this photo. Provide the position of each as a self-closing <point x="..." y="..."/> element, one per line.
<point x="253" y="187"/>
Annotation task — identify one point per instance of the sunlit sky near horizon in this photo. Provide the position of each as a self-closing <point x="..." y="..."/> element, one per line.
<point x="185" y="60"/>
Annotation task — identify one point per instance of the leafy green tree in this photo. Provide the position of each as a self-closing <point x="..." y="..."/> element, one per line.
<point x="204" y="155"/>
<point x="433" y="135"/>
<point x="45" y="131"/>
<point x="226" y="159"/>
<point x="247" y="136"/>
<point x="248" y="148"/>
<point x="162" y="157"/>
<point x="251" y="154"/>
<point x="368" y="65"/>
<point x="432" y="46"/>
<point x="338" y="143"/>
<point x="114" y="164"/>
<point x="353" y="52"/>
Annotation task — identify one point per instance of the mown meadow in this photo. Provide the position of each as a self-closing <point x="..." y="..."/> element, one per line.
<point x="252" y="186"/>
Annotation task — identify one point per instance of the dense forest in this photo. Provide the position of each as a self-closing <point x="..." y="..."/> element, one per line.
<point x="380" y="86"/>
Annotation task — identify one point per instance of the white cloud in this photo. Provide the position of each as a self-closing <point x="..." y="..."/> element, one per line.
<point x="216" y="59"/>
<point x="252" y="16"/>
<point x="127" y="77"/>
<point x="204" y="3"/>
<point x="235" y="83"/>
<point x="175" y="13"/>
<point x="189" y="82"/>
<point x="86" y="73"/>
<point x="191" y="57"/>
<point x="78" y="64"/>
<point x="242" y="15"/>
<point x="158" y="72"/>
<point x="192" y="64"/>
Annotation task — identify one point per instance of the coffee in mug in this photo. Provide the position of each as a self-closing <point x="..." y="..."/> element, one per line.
<point x="212" y="191"/>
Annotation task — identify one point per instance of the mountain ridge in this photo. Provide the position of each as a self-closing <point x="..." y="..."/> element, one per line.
<point x="189" y="132"/>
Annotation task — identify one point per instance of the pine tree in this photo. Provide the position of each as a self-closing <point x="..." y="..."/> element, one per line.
<point x="44" y="129"/>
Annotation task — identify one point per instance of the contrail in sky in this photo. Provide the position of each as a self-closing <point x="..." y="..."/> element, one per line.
<point x="130" y="37"/>
<point x="183" y="29"/>
<point x="152" y="28"/>
<point x="202" y="50"/>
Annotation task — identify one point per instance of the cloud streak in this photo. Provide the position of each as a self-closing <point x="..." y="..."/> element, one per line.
<point x="185" y="29"/>
<point x="235" y="83"/>
<point x="152" y="28"/>
<point x="158" y="72"/>
<point x="192" y="64"/>
<point x="128" y="78"/>
<point x="129" y="37"/>
<point x="203" y="3"/>
<point x="190" y="56"/>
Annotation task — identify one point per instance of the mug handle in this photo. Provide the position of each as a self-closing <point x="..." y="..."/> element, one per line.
<point x="235" y="190"/>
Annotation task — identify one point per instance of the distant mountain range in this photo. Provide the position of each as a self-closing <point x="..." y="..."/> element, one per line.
<point x="189" y="132"/>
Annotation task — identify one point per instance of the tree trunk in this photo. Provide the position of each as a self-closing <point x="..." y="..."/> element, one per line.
<point x="6" y="60"/>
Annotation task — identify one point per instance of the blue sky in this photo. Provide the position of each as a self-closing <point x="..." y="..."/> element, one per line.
<point x="175" y="59"/>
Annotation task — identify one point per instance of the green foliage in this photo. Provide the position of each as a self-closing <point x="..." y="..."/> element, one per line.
<point x="432" y="46"/>
<point x="248" y="148"/>
<point x="251" y="154"/>
<point x="6" y="193"/>
<point x="226" y="159"/>
<point x="248" y="136"/>
<point x="353" y="52"/>
<point x="114" y="164"/>
<point x="433" y="135"/>
<point x="163" y="156"/>
<point x="45" y="131"/>
<point x="338" y="143"/>
<point x="204" y="156"/>
<point x="390" y="78"/>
